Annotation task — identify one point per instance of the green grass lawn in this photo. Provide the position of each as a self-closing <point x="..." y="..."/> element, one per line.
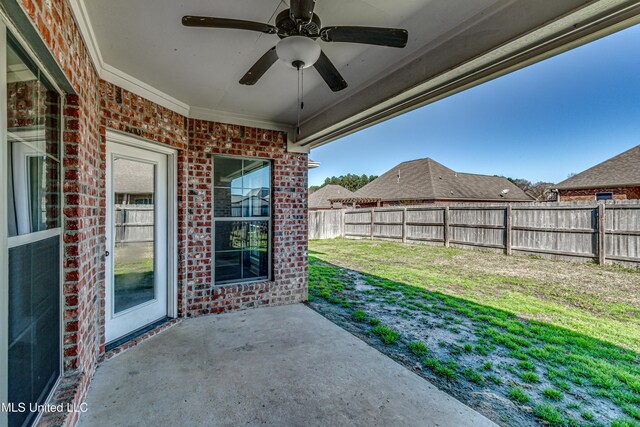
<point x="559" y="340"/>
<point x="601" y="302"/>
<point x="134" y="273"/>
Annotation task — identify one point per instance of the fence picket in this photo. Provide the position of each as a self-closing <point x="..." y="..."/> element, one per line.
<point x="603" y="232"/>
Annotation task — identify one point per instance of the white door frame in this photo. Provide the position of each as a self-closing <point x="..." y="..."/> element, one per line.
<point x="172" y="217"/>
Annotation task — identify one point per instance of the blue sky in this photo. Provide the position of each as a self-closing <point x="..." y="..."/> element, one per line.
<point x="540" y="123"/>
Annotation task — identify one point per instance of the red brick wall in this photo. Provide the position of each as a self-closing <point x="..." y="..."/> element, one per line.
<point x="97" y="106"/>
<point x="621" y="193"/>
<point x="126" y="112"/>
<point x="83" y="207"/>
<point x="289" y="218"/>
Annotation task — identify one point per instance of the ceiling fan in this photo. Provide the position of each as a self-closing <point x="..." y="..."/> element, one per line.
<point x="299" y="28"/>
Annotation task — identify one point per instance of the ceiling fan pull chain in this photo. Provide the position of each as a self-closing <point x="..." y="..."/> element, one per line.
<point x="299" y="100"/>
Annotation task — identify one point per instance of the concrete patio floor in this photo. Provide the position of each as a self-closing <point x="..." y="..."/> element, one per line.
<point x="284" y="366"/>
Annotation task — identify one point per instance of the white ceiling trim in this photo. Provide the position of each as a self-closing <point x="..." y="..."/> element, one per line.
<point x="130" y="83"/>
<point x="134" y="85"/>
<point x="114" y="75"/>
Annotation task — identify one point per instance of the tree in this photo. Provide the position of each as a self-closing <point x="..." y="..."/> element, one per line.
<point x="538" y="190"/>
<point x="350" y="181"/>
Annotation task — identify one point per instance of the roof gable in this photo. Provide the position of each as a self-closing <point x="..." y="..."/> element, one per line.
<point x="426" y="179"/>
<point x="319" y="199"/>
<point x="621" y="170"/>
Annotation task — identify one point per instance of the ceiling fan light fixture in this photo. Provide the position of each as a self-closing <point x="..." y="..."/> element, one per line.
<point x="298" y="51"/>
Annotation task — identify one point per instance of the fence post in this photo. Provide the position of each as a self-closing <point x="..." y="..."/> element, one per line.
<point x="404" y="225"/>
<point x="372" y="220"/>
<point x="445" y="223"/>
<point x="342" y="222"/>
<point x="602" y="235"/>
<point x="507" y="230"/>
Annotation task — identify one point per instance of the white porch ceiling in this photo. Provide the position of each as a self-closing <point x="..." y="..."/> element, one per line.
<point x="198" y="69"/>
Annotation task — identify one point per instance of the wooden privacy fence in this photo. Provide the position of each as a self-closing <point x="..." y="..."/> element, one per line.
<point x="134" y="223"/>
<point x="326" y="224"/>
<point x="601" y="232"/>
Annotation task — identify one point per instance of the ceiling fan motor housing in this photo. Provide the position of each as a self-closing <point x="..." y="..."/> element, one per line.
<point x="287" y="27"/>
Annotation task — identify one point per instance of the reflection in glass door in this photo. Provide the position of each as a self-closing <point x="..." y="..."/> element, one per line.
<point x="133" y="251"/>
<point x="136" y="288"/>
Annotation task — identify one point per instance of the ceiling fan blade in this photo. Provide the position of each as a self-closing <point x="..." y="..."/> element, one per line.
<point x="302" y="9"/>
<point x="209" y="22"/>
<point x="329" y="73"/>
<point x="260" y="67"/>
<point x="392" y="37"/>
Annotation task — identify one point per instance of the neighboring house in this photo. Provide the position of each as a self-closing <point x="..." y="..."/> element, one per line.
<point x="133" y="183"/>
<point x="615" y="179"/>
<point x="426" y="181"/>
<point x="321" y="198"/>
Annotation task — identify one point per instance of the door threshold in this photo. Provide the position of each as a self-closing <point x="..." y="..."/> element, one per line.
<point x="135" y="334"/>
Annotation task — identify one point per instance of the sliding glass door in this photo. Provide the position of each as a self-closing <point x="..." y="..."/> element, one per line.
<point x="31" y="170"/>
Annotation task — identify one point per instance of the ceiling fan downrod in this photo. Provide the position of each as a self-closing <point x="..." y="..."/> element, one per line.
<point x="300" y="67"/>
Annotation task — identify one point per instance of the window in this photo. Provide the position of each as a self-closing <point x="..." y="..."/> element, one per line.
<point x="242" y="219"/>
<point x="604" y="196"/>
<point x="32" y="180"/>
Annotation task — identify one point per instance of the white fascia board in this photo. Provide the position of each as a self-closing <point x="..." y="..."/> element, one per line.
<point x="474" y="72"/>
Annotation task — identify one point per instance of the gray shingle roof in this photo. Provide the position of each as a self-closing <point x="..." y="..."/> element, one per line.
<point x="320" y="199"/>
<point x="620" y="171"/>
<point x="132" y="177"/>
<point x="426" y="179"/>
